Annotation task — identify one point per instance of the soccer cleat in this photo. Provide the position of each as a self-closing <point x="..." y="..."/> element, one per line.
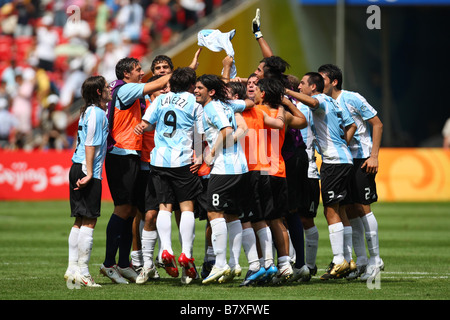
<point x="188" y="265"/>
<point x="216" y="273"/>
<point x="236" y="271"/>
<point x="128" y="273"/>
<point x="357" y="273"/>
<point x="70" y="274"/>
<point x="186" y="279"/>
<point x="170" y="264"/>
<point x="206" y="268"/>
<point x="299" y="274"/>
<point x="284" y="273"/>
<point x="113" y="274"/>
<point x="268" y="275"/>
<point x="252" y="277"/>
<point x="372" y="271"/>
<point x="335" y="270"/>
<point x="312" y="272"/>
<point x="351" y="268"/>
<point x="145" y="274"/>
<point x="86" y="281"/>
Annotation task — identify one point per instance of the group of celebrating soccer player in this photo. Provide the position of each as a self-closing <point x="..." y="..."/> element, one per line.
<point x="236" y="152"/>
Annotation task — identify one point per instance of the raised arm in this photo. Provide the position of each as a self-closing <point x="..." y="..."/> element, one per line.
<point x="311" y="102"/>
<point x="194" y="64"/>
<point x="296" y="122"/>
<point x="256" y="28"/>
<point x="156" y="85"/>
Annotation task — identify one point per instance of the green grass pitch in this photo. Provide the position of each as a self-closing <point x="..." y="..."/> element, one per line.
<point x="414" y="244"/>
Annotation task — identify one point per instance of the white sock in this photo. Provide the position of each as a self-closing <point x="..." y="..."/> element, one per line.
<point x="311" y="246"/>
<point x="85" y="243"/>
<point x="284" y="260"/>
<point x="265" y="241"/>
<point x="348" y="243"/>
<point x="219" y="241"/>
<point x="371" y="231"/>
<point x="73" y="248"/>
<point x="359" y="243"/>
<point x="136" y="258"/>
<point x="336" y="233"/>
<point x="164" y="226"/>
<point x="187" y="232"/>
<point x="148" y="246"/>
<point x="235" y="240"/>
<point x="249" y="245"/>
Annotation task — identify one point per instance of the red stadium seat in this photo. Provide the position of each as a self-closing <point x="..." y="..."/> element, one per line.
<point x="6" y="48"/>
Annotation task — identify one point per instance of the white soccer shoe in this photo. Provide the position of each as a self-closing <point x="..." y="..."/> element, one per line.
<point x="372" y="271"/>
<point x="236" y="271"/>
<point x="216" y="273"/>
<point x="300" y="274"/>
<point x="145" y="274"/>
<point x="113" y="274"/>
<point x="284" y="273"/>
<point x="87" y="281"/>
<point x="128" y="273"/>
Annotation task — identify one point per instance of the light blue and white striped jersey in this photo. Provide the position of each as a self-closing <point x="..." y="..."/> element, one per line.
<point x="175" y="115"/>
<point x="310" y="140"/>
<point x="329" y="122"/>
<point x="216" y="116"/>
<point x="361" y="111"/>
<point x="92" y="131"/>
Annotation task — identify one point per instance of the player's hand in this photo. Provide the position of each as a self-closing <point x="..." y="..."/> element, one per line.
<point x="139" y="129"/>
<point x="256" y="25"/>
<point x="227" y="61"/>
<point x="194" y="64"/>
<point x="371" y="165"/>
<point x="83" y="182"/>
<point x="195" y="167"/>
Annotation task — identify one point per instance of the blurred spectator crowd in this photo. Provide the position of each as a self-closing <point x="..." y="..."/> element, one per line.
<point x="48" y="48"/>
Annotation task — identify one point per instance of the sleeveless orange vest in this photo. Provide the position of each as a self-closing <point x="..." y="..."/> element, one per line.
<point x="124" y="123"/>
<point x="254" y="142"/>
<point x="275" y="140"/>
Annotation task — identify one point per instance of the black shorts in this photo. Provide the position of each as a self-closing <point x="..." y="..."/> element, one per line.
<point x="146" y="193"/>
<point x="257" y="200"/>
<point x="122" y="173"/>
<point x="297" y="180"/>
<point x="362" y="186"/>
<point x="280" y="198"/>
<point x="85" y="202"/>
<point x="224" y="192"/>
<point x="175" y="185"/>
<point x="334" y="179"/>
<point x="311" y="198"/>
<point x="200" y="207"/>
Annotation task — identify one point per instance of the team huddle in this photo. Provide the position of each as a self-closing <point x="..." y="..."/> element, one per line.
<point x="236" y="152"/>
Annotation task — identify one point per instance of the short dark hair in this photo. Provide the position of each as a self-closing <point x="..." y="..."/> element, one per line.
<point x="182" y="79"/>
<point x="213" y="82"/>
<point x="89" y="91"/>
<point x="274" y="91"/>
<point x="317" y="79"/>
<point x="238" y="88"/>
<point x="159" y="59"/>
<point x="126" y="64"/>
<point x="333" y="72"/>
